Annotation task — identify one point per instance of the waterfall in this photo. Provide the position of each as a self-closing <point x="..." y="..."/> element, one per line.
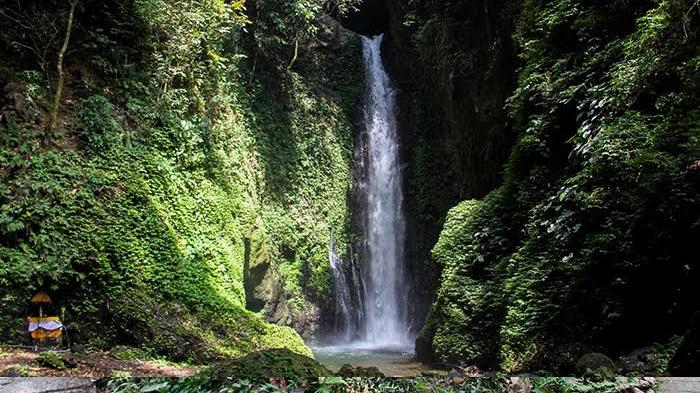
<point x="370" y="302"/>
<point x="384" y="222"/>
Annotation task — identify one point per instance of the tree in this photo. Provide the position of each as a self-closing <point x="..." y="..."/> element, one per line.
<point x="33" y="28"/>
<point x="56" y="100"/>
<point x="279" y="27"/>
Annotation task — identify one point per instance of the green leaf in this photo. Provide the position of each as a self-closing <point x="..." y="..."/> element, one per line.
<point x="154" y="387"/>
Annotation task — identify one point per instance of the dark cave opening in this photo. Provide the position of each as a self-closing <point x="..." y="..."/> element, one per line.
<point x="371" y="18"/>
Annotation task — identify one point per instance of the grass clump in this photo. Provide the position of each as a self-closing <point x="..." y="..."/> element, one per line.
<point x="51" y="360"/>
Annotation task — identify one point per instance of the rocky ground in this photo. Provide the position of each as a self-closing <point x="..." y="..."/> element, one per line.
<point x="679" y="385"/>
<point x="94" y="364"/>
<point x="80" y="371"/>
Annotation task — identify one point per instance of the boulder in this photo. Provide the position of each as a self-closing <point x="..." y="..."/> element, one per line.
<point x="348" y="371"/>
<point x="424" y="349"/>
<point x="595" y="364"/>
<point x="266" y="364"/>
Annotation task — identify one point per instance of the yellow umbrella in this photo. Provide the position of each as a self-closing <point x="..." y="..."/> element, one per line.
<point x="41" y="297"/>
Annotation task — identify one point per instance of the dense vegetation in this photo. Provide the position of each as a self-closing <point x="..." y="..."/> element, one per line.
<point x="380" y="385"/>
<point x="588" y="244"/>
<point x="202" y="151"/>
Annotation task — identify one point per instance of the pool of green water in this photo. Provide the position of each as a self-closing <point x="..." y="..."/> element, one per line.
<point x="392" y="361"/>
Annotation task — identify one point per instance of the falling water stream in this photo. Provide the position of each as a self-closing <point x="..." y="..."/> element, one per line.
<point x="372" y="328"/>
<point x="384" y="317"/>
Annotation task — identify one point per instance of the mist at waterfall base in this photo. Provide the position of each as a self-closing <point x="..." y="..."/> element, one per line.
<point x="370" y="299"/>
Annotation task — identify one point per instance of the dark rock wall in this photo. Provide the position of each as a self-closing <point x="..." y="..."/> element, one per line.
<point x="453" y="82"/>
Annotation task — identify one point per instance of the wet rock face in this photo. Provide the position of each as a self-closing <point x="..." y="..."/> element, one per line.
<point x="424" y="349"/>
<point x="462" y="64"/>
<point x="454" y="135"/>
<point x="333" y="56"/>
<point x="265" y="293"/>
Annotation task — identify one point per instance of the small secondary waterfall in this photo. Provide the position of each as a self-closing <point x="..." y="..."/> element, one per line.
<point x="370" y="303"/>
<point x="347" y="294"/>
<point x="343" y="301"/>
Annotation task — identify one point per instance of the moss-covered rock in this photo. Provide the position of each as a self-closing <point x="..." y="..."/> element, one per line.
<point x="121" y="352"/>
<point x="348" y="371"/>
<point x="270" y="363"/>
<point x="460" y="320"/>
<point x="17" y="371"/>
<point x="595" y="365"/>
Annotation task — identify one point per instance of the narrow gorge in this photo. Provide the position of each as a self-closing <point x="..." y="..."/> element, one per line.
<point x="422" y="186"/>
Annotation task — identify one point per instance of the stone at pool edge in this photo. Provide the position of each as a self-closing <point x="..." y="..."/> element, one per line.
<point x="434" y="373"/>
<point x="347" y="370"/>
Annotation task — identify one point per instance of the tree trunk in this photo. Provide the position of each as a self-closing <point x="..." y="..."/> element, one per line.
<point x="56" y="101"/>
<point x="296" y="52"/>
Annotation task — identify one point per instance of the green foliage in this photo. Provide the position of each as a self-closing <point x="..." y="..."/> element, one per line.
<point x="340" y="384"/>
<point x="463" y="322"/>
<point x="280" y="27"/>
<point x="592" y="226"/>
<point x="452" y="247"/>
<point x="100" y="129"/>
<point x="563" y="385"/>
<point x="318" y="385"/>
<point x="661" y="354"/>
<point x="192" y="51"/>
<point x="126" y="353"/>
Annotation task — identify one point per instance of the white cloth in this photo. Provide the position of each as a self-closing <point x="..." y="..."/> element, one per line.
<point x="46" y="325"/>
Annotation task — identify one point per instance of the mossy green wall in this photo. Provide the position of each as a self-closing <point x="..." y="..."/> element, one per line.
<point x="587" y="244"/>
<point x="180" y="161"/>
